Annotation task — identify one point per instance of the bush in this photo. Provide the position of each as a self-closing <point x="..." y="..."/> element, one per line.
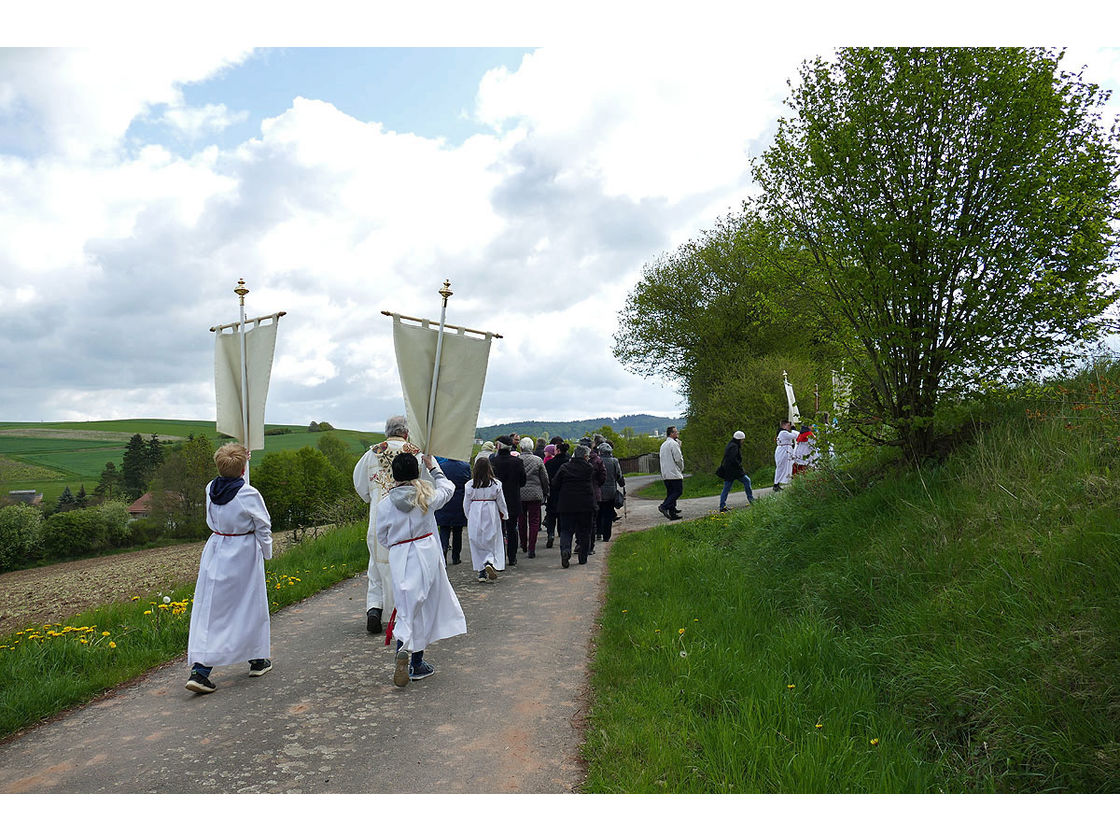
<point x="21" y="529"/>
<point x="114" y="516"/>
<point x="144" y="531"/>
<point x="74" y="533"/>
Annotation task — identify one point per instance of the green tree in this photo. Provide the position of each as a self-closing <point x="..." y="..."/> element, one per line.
<point x="134" y="467"/>
<point x="298" y="486"/>
<point x="109" y="485"/>
<point x="66" y="501"/>
<point x="957" y="206"/>
<point x="178" y="497"/>
<point x="154" y="454"/>
<point x="21" y="528"/>
<point x="337" y="452"/>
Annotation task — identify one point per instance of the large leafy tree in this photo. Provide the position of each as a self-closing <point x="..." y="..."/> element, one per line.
<point x="179" y="484"/>
<point x="958" y="206"/>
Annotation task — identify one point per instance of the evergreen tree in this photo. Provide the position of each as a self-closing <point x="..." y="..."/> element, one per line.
<point x="109" y="485"/>
<point x="66" y="501"/>
<point x="134" y="467"/>
<point x="155" y="455"/>
<point x="81" y="500"/>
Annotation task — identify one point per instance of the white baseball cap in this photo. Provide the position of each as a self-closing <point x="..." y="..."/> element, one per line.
<point x="738" y="436"/>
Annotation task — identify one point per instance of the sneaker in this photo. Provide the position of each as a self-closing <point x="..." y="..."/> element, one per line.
<point x="583" y="559"/>
<point x="490" y="572"/>
<point x="259" y="666"/>
<point x="400" y="673"/>
<point x="482" y="577"/>
<point x="548" y="544"/>
<point x="200" y="684"/>
<point x="420" y="671"/>
<point x="665" y="513"/>
<point x="565" y="556"/>
<point x="673" y="517"/>
<point x="512" y="561"/>
<point x="531" y="555"/>
<point x="373" y="620"/>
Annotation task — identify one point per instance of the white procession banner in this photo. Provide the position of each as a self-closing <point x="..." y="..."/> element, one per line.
<point x="462" y="375"/>
<point x="794" y="414"/>
<point x="260" y="345"/>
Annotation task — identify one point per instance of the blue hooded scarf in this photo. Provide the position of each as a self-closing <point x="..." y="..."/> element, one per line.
<point x="222" y="489"/>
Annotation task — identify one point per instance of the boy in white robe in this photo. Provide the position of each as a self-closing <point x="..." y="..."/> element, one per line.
<point x="229" y="616"/>
<point x="426" y="607"/>
<point x="373" y="476"/>
<point x="484" y="503"/>
<point x="783" y="455"/>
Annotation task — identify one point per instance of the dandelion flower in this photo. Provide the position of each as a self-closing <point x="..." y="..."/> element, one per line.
<point x="820" y="726"/>
<point x="791" y="686"/>
<point x="680" y="632"/>
<point x="626" y="610"/>
<point x="874" y="742"/>
<point x="656" y="631"/>
<point x="684" y="654"/>
<point x="112" y="644"/>
<point x="147" y="612"/>
<point x="104" y="632"/>
<point x="135" y="597"/>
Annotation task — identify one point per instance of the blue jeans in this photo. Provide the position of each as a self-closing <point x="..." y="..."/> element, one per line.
<point x="746" y="479"/>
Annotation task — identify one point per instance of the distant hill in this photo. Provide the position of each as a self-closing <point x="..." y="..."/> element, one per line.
<point x="642" y="424"/>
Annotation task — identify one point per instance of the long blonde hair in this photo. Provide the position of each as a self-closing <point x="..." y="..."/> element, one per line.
<point x="425" y="492"/>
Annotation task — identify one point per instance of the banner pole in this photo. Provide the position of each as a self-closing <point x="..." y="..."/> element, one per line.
<point x="241" y="291"/>
<point x="446" y="292"/>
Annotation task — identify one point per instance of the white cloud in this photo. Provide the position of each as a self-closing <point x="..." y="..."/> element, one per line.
<point x="194" y="123"/>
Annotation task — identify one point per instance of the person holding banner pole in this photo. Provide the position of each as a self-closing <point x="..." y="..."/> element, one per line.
<point x="373" y="478"/>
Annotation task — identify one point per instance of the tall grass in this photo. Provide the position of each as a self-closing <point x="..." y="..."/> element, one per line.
<point x="967" y="616"/>
<point x="44" y="670"/>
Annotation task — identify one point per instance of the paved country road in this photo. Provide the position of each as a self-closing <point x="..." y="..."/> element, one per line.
<point x="503" y="713"/>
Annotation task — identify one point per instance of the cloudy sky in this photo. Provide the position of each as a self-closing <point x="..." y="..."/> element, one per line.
<point x="138" y="183"/>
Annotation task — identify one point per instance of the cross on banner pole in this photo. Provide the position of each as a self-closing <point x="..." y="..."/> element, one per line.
<point x="241" y="291"/>
<point x="446" y="293"/>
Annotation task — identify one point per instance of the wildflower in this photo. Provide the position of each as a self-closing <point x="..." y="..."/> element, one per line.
<point x="656" y="631"/>
<point x="147" y="612"/>
<point x="874" y="742"/>
<point x="680" y="632"/>
<point x="84" y="640"/>
<point x="684" y="654"/>
<point x="135" y="598"/>
<point x="112" y="644"/>
<point x="791" y="686"/>
<point x="626" y="610"/>
<point x="104" y="632"/>
<point x="820" y="726"/>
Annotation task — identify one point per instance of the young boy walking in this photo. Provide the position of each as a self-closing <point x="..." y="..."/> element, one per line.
<point x="229" y="616"/>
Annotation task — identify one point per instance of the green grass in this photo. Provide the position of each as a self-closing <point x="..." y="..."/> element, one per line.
<point x="967" y="616"/>
<point x="44" y="670"/>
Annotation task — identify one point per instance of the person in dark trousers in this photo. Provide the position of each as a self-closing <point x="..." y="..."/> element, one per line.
<point x="731" y="470"/>
<point x="450" y="518"/>
<point x="575" y="505"/>
<point x="511" y="472"/>
<point x="672" y="473"/>
<point x="600" y="479"/>
<point x="613" y="471"/>
<point x="552" y="466"/>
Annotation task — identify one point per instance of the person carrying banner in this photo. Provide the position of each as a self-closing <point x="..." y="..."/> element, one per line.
<point x="373" y="477"/>
<point x="783" y="455"/>
<point x="229" y="617"/>
<point x="484" y="504"/>
<point x="426" y="607"/>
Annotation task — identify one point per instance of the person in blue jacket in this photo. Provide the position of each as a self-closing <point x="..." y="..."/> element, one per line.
<point x="450" y="518"/>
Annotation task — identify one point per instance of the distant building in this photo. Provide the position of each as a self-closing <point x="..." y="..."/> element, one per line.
<point x="26" y="497"/>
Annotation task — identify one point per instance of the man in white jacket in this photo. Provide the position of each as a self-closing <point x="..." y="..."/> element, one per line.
<point x="373" y="478"/>
<point x="672" y="473"/>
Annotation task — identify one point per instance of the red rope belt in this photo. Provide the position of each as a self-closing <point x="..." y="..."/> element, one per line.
<point x="414" y="539"/>
<point x="220" y="534"/>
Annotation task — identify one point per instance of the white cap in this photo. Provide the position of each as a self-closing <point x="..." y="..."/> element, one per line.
<point x="738" y="436"/>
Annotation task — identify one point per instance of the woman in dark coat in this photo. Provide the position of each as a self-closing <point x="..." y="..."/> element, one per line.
<point x="511" y="472"/>
<point x="450" y="518"/>
<point x="552" y="466"/>
<point x="574" y="494"/>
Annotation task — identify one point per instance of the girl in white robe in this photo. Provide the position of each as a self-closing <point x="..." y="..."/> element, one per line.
<point x="426" y="607"/>
<point x="783" y="455"/>
<point x="484" y="503"/>
<point x="229" y="616"/>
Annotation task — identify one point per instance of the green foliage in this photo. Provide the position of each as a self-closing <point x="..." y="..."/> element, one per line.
<point x="66" y="501"/>
<point x="337" y="452"/>
<point x="178" y="500"/>
<point x="109" y="483"/>
<point x="20" y="534"/>
<point x="958" y="208"/>
<point x="74" y="533"/>
<point x="134" y="468"/>
<point x="296" y="484"/>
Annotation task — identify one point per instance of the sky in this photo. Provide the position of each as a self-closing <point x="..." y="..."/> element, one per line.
<point x="341" y="172"/>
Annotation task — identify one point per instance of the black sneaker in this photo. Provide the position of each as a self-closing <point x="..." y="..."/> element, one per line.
<point x="420" y="671"/>
<point x="373" y="620"/>
<point x="482" y="577"/>
<point x="665" y="513"/>
<point x="531" y="555"/>
<point x="548" y="544"/>
<point x="259" y="666"/>
<point x="565" y="556"/>
<point x="675" y="516"/>
<point x="200" y="684"/>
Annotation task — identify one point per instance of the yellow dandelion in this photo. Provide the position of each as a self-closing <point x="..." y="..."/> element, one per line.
<point x="112" y="644"/>
<point x="820" y="726"/>
<point x="147" y="612"/>
<point x="84" y="640"/>
<point x="874" y="742"/>
<point x="791" y="686"/>
<point x="626" y="610"/>
<point x="135" y="598"/>
<point x="656" y="631"/>
<point x="680" y="632"/>
<point x="104" y="632"/>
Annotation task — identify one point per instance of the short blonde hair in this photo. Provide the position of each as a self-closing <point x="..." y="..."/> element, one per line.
<point x="231" y="460"/>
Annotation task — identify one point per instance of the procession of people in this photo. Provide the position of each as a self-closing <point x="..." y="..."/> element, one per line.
<point x="419" y="506"/>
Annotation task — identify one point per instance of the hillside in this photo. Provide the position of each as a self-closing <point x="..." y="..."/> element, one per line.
<point x="642" y="424"/>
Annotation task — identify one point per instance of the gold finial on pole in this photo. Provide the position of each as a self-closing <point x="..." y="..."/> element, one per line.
<point x="446" y="291"/>
<point x="241" y="291"/>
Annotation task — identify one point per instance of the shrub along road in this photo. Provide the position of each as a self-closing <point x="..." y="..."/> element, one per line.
<point x="502" y="714"/>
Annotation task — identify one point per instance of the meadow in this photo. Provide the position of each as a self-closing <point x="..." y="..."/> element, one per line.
<point x="49" y="457"/>
<point x="881" y="629"/>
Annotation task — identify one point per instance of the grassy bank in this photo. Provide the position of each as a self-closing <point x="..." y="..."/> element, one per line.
<point x="952" y="629"/>
<point x="44" y="670"/>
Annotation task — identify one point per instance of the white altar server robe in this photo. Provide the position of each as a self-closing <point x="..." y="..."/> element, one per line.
<point x="783" y="457"/>
<point x="427" y="609"/>
<point x="485" y="507"/>
<point x="229" y="616"/>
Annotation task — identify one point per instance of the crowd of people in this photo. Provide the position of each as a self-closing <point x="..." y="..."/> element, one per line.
<point x="419" y="505"/>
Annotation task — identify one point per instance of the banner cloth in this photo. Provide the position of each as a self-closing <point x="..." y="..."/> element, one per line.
<point x="260" y="345"/>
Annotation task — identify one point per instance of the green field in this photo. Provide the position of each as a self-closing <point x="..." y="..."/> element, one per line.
<point x="49" y="457"/>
